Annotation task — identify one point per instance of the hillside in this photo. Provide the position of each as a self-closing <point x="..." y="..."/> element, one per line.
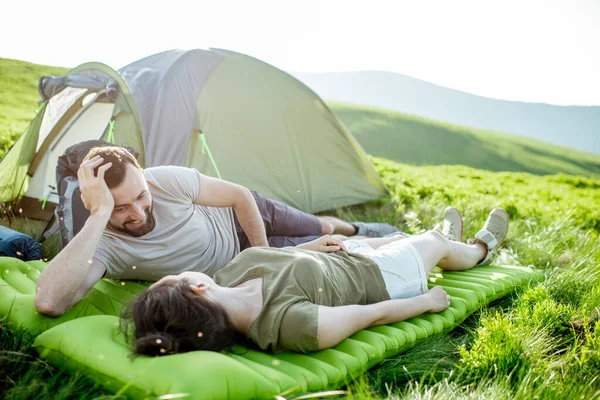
<point x="420" y="141"/>
<point x="19" y="97"/>
<point x="573" y="126"/>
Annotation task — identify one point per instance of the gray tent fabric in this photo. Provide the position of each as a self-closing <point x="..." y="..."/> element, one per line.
<point x="165" y="87"/>
<point x="49" y="86"/>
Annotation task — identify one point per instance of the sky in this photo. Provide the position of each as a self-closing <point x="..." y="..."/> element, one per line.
<point x="526" y="50"/>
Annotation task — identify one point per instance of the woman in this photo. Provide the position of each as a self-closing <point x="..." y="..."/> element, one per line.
<point x="308" y="297"/>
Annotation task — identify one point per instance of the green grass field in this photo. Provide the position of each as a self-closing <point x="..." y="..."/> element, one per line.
<point x="543" y="342"/>
<point x="18" y="102"/>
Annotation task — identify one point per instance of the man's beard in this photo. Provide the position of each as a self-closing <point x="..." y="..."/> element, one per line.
<point x="140" y="231"/>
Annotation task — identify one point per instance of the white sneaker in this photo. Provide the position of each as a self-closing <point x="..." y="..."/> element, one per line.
<point x="493" y="233"/>
<point x="453" y="224"/>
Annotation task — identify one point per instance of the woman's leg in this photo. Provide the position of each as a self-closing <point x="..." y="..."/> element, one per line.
<point x="378" y="242"/>
<point x="368" y="246"/>
<point x="435" y="249"/>
<point x="405" y="265"/>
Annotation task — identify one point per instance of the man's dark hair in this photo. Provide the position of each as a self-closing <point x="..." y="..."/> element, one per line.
<point x="119" y="157"/>
<point x="170" y="318"/>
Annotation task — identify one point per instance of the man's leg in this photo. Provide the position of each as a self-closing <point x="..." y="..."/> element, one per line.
<point x="332" y="225"/>
<point x="284" y="225"/>
<point x="283" y="220"/>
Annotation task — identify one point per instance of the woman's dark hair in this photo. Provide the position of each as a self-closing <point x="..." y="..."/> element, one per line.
<point x="170" y="318"/>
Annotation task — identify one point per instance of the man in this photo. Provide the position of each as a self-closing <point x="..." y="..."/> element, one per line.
<point x="146" y="224"/>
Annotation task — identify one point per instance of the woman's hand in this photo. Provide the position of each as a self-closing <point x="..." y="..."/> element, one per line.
<point x="439" y="299"/>
<point x="325" y="244"/>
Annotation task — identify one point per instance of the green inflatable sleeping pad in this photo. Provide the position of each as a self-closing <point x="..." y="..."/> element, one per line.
<point x="87" y="339"/>
<point x="17" y="296"/>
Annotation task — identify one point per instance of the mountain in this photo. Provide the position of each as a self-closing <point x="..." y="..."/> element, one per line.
<point x="572" y="126"/>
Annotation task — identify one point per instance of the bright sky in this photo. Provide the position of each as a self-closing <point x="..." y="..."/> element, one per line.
<point x="528" y="50"/>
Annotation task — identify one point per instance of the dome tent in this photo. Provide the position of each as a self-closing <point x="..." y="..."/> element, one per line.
<point x="266" y="130"/>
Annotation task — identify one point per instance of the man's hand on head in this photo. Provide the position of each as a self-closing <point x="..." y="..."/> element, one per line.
<point x="95" y="193"/>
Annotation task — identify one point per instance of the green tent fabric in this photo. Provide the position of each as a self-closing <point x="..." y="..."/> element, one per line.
<point x="15" y="164"/>
<point x="87" y="339"/>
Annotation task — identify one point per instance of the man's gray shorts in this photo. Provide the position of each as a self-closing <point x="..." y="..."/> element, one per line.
<point x="284" y="225"/>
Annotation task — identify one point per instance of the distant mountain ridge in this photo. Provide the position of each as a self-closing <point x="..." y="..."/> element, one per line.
<point x="572" y="126"/>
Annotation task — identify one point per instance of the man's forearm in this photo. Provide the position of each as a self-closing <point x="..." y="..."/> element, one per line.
<point x="250" y="220"/>
<point x="61" y="279"/>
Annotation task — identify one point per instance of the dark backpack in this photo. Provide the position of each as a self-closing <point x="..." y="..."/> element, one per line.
<point x="71" y="214"/>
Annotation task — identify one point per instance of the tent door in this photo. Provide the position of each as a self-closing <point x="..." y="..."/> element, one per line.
<point x="61" y="128"/>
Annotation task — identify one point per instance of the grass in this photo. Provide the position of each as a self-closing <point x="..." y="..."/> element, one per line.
<point x="18" y="103"/>
<point x="24" y="376"/>
<point x="542" y="342"/>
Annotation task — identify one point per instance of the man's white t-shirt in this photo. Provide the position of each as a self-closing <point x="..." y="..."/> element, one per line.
<point x="186" y="237"/>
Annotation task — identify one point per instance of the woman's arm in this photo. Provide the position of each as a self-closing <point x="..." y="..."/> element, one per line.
<point x="337" y="323"/>
<point x="324" y="244"/>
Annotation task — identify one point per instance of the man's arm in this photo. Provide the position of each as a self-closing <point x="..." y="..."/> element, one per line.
<point x="73" y="271"/>
<point x="219" y="193"/>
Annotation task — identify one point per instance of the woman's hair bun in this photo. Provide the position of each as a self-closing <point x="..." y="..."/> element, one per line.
<point x="156" y="344"/>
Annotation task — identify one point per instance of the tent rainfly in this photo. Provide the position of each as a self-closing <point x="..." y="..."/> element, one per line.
<point x="266" y="130"/>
